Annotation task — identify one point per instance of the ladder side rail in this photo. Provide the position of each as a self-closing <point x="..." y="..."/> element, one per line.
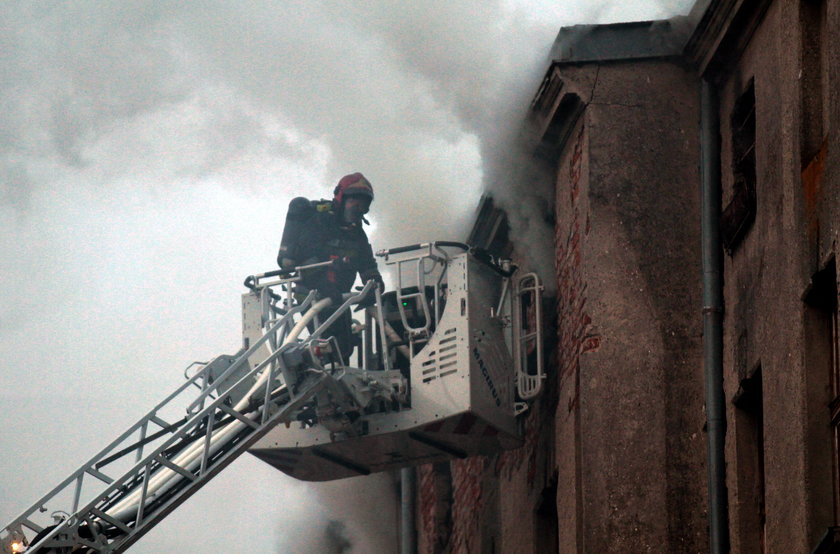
<point x="161" y="482"/>
<point x="216" y="465"/>
<point x="100" y="501"/>
<point x="145" y="521"/>
<point x="120" y="544"/>
<point x="219" y="403"/>
<point x="78" y="475"/>
<point x="354" y="299"/>
<point x="242" y="359"/>
<point x="151" y="416"/>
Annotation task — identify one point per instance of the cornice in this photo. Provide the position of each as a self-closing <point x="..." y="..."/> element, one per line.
<point x="722" y="34"/>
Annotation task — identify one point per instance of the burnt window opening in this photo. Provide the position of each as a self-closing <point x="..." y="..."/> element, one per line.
<point x="739" y="214"/>
<point x="749" y="445"/>
<point x="823" y="375"/>
<point x="834" y="404"/>
<point x="491" y="230"/>
<point x="547" y="533"/>
<point x="557" y="131"/>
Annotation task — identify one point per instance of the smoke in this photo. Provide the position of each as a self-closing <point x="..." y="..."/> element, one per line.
<point x="339" y="542"/>
<point x="422" y="98"/>
<point x="355" y="515"/>
<point x="147" y="154"/>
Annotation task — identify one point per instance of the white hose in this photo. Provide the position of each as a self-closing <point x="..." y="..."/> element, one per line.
<point x="189" y="458"/>
<point x="396" y="338"/>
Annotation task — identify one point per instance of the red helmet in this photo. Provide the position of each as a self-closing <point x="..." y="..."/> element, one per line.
<point x="354" y="184"/>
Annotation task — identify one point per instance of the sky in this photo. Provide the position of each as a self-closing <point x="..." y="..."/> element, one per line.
<point x="148" y="152"/>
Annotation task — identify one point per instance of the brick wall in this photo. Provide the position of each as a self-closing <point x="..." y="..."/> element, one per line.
<point x="467" y="503"/>
<point x="575" y="332"/>
<point x="435" y="506"/>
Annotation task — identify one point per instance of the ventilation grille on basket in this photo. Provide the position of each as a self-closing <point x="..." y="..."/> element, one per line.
<point x="444" y="361"/>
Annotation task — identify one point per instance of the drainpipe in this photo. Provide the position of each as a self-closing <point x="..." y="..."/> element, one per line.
<point x="408" y="533"/>
<point x="713" y="317"/>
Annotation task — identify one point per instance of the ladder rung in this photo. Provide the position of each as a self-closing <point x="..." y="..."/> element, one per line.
<point x="26" y="522"/>
<point x="175" y="467"/>
<point x="238" y="415"/>
<point x="113" y="521"/>
<point x="99" y="475"/>
<point x="160" y="421"/>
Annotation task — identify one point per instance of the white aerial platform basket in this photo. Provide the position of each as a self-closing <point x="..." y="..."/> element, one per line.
<point x="461" y="375"/>
<point x="434" y="379"/>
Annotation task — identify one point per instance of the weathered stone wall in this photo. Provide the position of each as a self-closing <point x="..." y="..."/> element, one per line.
<point x="640" y="397"/>
<point x="791" y="61"/>
<point x="618" y="429"/>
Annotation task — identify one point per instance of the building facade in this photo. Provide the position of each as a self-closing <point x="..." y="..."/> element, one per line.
<point x="635" y="123"/>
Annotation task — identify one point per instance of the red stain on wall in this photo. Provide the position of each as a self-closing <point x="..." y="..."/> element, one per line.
<point x="461" y="506"/>
<point x="466" y="508"/>
<point x="575" y="333"/>
<point x="812" y="177"/>
<point x="574" y="324"/>
<point x="426" y="496"/>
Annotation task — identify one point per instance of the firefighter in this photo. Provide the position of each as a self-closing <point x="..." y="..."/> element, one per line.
<point x="324" y="230"/>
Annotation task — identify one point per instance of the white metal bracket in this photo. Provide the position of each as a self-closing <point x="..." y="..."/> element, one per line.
<point x="528" y="336"/>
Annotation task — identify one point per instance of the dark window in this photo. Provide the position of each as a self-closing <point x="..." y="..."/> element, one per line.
<point x="739" y="214"/>
<point x="547" y="533"/>
<point x="823" y="404"/>
<point x="559" y="128"/>
<point x="834" y="407"/>
<point x="749" y="444"/>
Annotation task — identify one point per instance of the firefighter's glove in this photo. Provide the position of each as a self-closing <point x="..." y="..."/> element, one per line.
<point x="376" y="276"/>
<point x="366" y="302"/>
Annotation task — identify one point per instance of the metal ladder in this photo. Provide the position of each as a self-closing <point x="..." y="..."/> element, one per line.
<point x="95" y="511"/>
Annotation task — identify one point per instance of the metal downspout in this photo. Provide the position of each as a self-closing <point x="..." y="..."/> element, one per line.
<point x="408" y="532"/>
<point x="713" y="317"/>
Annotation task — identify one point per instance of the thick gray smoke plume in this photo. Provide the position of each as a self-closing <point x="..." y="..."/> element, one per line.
<point x="148" y="151"/>
<point x="339" y="542"/>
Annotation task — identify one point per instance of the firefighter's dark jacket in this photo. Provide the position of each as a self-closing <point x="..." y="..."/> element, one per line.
<point x="314" y="232"/>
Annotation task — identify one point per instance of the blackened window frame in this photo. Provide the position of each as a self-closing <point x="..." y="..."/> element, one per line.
<point x="749" y="422"/>
<point x="822" y="299"/>
<point x="739" y="214"/>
